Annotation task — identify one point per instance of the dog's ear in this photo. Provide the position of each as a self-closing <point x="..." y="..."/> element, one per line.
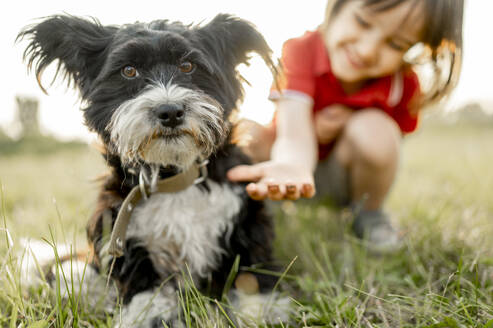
<point x="78" y="44"/>
<point x="229" y="39"/>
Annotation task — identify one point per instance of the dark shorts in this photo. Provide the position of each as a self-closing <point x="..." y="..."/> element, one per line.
<point x="332" y="181"/>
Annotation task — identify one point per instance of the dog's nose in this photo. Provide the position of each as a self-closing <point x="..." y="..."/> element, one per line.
<point x="170" y="115"/>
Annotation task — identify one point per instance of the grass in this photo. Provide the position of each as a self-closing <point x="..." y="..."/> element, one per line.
<point x="443" y="277"/>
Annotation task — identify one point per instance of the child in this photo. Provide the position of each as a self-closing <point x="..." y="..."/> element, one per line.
<point x="348" y="93"/>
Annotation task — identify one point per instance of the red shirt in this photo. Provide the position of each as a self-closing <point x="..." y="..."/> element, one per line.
<point x="307" y="74"/>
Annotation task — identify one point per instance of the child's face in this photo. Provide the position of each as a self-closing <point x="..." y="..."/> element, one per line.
<point x="364" y="44"/>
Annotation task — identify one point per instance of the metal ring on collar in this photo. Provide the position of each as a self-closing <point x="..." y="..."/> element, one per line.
<point x="202" y="164"/>
<point x="142" y="185"/>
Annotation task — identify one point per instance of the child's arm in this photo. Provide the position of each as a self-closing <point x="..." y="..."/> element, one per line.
<point x="289" y="173"/>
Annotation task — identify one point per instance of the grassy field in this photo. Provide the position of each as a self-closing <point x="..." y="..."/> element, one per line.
<point x="443" y="277"/>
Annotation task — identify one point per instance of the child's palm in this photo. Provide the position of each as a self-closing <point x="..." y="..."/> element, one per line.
<point x="275" y="180"/>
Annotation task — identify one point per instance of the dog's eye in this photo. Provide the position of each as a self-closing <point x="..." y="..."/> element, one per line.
<point x="187" y="67"/>
<point x="129" y="72"/>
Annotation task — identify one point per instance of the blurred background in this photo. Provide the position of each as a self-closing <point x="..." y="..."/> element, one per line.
<point x="277" y="20"/>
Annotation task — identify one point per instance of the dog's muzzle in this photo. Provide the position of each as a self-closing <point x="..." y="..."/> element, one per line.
<point x="167" y="125"/>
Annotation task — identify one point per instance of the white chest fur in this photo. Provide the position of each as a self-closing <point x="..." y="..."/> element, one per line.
<point x="184" y="227"/>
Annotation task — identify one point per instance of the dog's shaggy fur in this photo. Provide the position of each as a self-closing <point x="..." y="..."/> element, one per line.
<point x="160" y="95"/>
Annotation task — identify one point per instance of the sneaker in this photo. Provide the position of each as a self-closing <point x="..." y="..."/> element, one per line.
<point x="375" y="229"/>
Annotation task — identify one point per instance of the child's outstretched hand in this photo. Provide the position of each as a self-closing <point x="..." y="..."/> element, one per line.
<point x="274" y="180"/>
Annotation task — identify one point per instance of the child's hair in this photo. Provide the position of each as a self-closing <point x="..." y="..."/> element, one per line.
<point x="437" y="58"/>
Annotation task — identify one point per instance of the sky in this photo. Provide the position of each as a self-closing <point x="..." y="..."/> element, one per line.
<point x="278" y="20"/>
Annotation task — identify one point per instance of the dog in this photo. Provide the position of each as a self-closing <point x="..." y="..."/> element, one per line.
<point x="162" y="96"/>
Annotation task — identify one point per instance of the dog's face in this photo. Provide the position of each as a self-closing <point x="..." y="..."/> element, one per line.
<point x="157" y="93"/>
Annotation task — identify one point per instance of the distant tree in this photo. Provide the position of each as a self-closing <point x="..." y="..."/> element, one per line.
<point x="27" y="115"/>
<point x="474" y="112"/>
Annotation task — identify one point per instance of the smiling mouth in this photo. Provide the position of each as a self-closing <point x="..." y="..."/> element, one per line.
<point x="353" y="61"/>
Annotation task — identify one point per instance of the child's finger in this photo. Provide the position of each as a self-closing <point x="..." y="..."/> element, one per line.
<point x="292" y="192"/>
<point x="307" y="190"/>
<point x="262" y="190"/>
<point x="274" y="191"/>
<point x="255" y="192"/>
<point x="245" y="173"/>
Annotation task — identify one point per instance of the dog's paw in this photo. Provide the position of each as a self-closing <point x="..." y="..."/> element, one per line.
<point x="149" y="309"/>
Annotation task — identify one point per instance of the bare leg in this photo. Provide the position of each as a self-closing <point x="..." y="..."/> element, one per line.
<point x="369" y="149"/>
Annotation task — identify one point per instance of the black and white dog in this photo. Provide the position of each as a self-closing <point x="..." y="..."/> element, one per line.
<point x="161" y="97"/>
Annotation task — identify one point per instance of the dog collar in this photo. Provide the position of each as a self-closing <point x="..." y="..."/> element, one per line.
<point x="196" y="174"/>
